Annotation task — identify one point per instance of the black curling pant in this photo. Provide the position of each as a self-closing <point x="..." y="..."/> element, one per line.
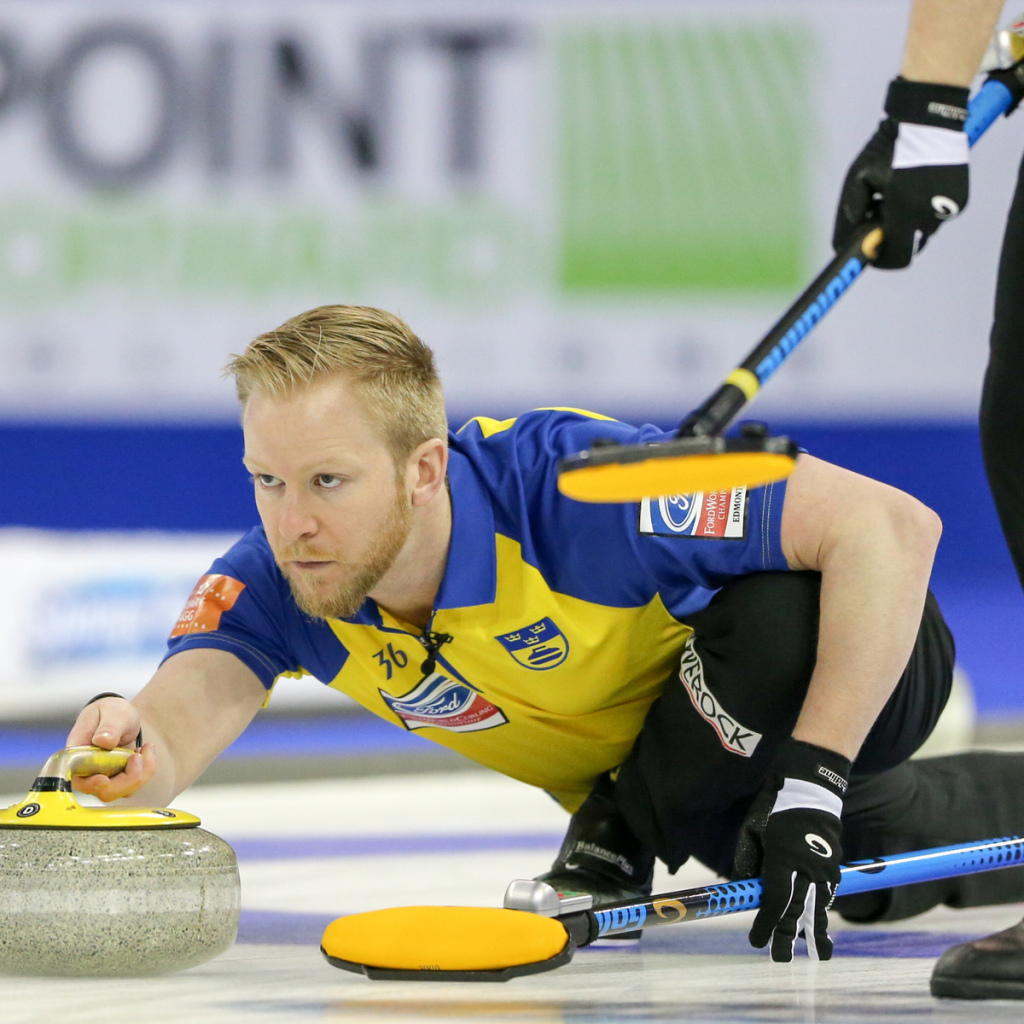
<point x="707" y="741"/>
<point x="935" y="801"/>
<point x="1002" y="397"/>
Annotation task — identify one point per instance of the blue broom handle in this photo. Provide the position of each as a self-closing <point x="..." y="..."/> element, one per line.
<point x="861" y="876"/>
<point x="896" y="869"/>
<point x="991" y="100"/>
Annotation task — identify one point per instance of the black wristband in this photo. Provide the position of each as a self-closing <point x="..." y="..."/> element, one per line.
<point x="798" y="760"/>
<point x="110" y="693"/>
<point x="941" y="106"/>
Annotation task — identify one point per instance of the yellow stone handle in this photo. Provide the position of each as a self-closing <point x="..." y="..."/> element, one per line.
<point x="85" y="761"/>
<point x="52" y="804"/>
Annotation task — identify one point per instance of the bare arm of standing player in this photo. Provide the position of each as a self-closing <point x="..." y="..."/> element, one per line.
<point x="913" y="173"/>
<point x="873" y="546"/>
<point x="947" y="39"/>
<point x="197" y="703"/>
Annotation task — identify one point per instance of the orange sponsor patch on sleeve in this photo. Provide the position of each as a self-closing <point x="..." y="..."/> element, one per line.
<point x="213" y="595"/>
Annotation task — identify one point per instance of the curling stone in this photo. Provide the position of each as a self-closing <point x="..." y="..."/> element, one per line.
<point x="109" y="891"/>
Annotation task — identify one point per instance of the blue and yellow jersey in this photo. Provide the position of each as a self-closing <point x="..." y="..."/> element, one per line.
<point x="566" y="618"/>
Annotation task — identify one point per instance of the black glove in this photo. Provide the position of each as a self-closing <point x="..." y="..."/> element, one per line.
<point x="912" y="175"/>
<point x="791" y="837"/>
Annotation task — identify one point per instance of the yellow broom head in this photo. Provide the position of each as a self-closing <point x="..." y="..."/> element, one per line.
<point x="673" y="474"/>
<point x="446" y="943"/>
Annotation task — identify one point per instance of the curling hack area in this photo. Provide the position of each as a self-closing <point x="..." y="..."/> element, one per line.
<point x="426" y="829"/>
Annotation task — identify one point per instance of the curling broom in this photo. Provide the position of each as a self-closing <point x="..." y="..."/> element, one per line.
<point x="698" y="458"/>
<point x="492" y="944"/>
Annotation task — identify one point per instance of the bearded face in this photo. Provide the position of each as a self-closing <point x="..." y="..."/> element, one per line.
<point x="336" y="505"/>
<point x="328" y="585"/>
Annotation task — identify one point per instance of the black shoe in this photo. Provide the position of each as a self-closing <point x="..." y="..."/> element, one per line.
<point x="988" y="968"/>
<point x="601" y="856"/>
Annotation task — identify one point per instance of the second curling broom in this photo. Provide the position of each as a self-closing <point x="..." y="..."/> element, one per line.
<point x="699" y="458"/>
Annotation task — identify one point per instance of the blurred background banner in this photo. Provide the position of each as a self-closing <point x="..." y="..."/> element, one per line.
<point x="598" y="204"/>
<point x="83" y="613"/>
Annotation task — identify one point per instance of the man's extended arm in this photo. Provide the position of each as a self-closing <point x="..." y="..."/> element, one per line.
<point x="197" y="703"/>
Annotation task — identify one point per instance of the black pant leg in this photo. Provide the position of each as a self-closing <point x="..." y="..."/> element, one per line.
<point x="1002" y="398"/>
<point x="707" y="741"/>
<point x="937" y="801"/>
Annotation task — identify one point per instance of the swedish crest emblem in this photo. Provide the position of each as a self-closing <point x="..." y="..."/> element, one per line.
<point x="540" y="646"/>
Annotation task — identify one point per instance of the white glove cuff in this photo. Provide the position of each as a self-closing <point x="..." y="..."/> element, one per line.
<point x="796" y="793"/>
<point x="924" y="145"/>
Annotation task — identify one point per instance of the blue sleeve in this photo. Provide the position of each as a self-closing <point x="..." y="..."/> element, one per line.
<point x="682" y="537"/>
<point x="682" y="546"/>
<point x="691" y="536"/>
<point x="240" y="606"/>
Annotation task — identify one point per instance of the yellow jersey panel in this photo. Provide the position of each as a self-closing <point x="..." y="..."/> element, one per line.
<point x="571" y="695"/>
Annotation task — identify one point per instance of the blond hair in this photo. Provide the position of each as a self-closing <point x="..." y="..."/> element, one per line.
<point x="393" y="370"/>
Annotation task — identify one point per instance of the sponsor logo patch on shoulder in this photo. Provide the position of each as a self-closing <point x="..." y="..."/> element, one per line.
<point x="213" y="595"/>
<point x="713" y="515"/>
<point x="443" y="703"/>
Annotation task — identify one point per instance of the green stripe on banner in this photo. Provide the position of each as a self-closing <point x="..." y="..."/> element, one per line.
<point x="684" y="156"/>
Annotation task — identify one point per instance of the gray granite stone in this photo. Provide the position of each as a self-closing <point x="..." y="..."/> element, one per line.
<point x="113" y="902"/>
